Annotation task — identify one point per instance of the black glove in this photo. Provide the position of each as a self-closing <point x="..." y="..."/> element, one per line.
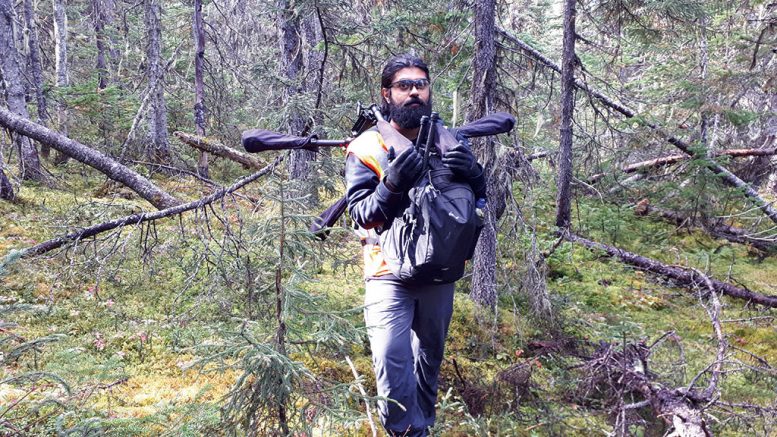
<point x="462" y="162"/>
<point x="404" y="170"/>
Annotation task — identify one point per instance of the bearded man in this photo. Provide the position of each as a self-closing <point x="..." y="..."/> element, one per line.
<point x="406" y="324"/>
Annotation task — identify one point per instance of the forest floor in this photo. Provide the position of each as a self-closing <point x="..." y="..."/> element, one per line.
<point x="118" y="326"/>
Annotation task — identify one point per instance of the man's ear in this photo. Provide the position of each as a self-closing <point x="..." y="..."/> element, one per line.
<point x="386" y="93"/>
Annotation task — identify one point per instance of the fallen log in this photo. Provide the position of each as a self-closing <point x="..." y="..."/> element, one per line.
<point x="136" y="219"/>
<point x="726" y="175"/>
<point x="673" y="159"/>
<point x="91" y="157"/>
<point x="658" y="162"/>
<point x="538" y="155"/>
<point x="714" y="228"/>
<point x="215" y="148"/>
<point x="681" y="275"/>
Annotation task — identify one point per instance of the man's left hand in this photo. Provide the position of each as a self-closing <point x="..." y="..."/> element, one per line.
<point x="462" y="162"/>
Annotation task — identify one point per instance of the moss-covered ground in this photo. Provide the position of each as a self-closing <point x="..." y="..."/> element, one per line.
<point x="119" y="321"/>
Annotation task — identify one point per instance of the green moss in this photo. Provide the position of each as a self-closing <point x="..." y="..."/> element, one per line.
<point x="143" y="314"/>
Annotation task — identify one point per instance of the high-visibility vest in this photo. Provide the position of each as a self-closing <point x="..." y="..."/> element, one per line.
<point x="373" y="153"/>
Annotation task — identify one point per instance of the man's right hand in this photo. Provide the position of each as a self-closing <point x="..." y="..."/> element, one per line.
<point x="404" y="170"/>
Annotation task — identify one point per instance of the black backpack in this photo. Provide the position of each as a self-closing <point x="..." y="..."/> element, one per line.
<point x="430" y="240"/>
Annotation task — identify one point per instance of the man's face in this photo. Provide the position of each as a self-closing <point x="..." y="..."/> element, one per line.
<point x="409" y="100"/>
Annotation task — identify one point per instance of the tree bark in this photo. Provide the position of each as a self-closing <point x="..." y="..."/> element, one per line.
<point x="292" y="67"/>
<point x="12" y="78"/>
<point x="63" y="76"/>
<point x="6" y="189"/>
<point x="100" y="20"/>
<point x="564" y="191"/>
<point x="218" y="149"/>
<point x="484" y="291"/>
<point x="315" y="62"/>
<point x="725" y="175"/>
<point x="684" y="277"/>
<point x="770" y="138"/>
<point x="99" y="38"/>
<point x="30" y="21"/>
<point x="158" y="149"/>
<point x="145" y="189"/>
<point x="199" y="84"/>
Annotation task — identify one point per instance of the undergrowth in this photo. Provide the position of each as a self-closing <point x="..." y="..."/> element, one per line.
<point x="112" y="335"/>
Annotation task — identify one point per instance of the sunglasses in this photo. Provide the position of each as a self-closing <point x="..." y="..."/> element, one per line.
<point x="406" y="85"/>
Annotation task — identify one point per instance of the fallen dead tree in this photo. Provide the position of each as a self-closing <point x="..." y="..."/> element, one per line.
<point x="715" y="228"/>
<point x="136" y="219"/>
<point x="682" y="276"/>
<point x="618" y="372"/>
<point x="621" y="379"/>
<point x="673" y="159"/>
<point x="218" y="149"/>
<point x="726" y="175"/>
<point x="81" y="153"/>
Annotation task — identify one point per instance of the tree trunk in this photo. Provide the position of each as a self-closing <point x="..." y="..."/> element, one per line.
<point x="289" y="35"/>
<point x="30" y="21"/>
<point x="12" y="78"/>
<point x="6" y="189"/>
<point x="158" y="149"/>
<point x="315" y="60"/>
<point x="481" y="103"/>
<point x="770" y="135"/>
<point x="564" y="195"/>
<point x="68" y="147"/>
<point x="105" y="121"/>
<point x="99" y="39"/>
<point x="199" y="84"/>
<point x="63" y="76"/>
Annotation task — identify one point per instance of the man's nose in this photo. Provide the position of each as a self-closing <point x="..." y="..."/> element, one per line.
<point x="414" y="92"/>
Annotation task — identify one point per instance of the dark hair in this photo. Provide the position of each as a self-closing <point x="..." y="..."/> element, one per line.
<point x="398" y="62"/>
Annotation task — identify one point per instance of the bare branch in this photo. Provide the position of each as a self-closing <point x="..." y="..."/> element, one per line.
<point x="215" y="148"/>
<point x="135" y="219"/>
<point x="682" y="276"/>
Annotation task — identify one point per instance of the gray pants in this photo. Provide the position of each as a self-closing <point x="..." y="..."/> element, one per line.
<point x="407" y="326"/>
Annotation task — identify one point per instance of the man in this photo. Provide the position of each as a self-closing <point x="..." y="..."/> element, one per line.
<point x="407" y="324"/>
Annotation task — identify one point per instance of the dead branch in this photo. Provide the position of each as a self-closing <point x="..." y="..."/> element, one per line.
<point x="682" y="276"/>
<point x="136" y="219"/>
<point x="714" y="228"/>
<point x="364" y="396"/>
<point x="91" y="157"/>
<point x="615" y="372"/>
<point x="215" y="148"/>
<point x="538" y="155"/>
<point x="714" y="311"/>
<point x="726" y="176"/>
<point x="673" y="159"/>
<point x="658" y="162"/>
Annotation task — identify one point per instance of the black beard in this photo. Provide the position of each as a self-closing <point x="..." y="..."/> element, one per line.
<point x="407" y="117"/>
